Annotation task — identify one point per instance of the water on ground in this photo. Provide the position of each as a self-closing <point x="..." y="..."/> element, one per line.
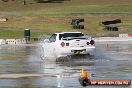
<point x="23" y="67"/>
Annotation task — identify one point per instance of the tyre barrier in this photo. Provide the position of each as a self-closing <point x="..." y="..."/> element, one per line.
<point x="76" y="23"/>
<point x="111" y="22"/>
<point x="111" y="28"/>
<point x="78" y="27"/>
<point x="79" y="20"/>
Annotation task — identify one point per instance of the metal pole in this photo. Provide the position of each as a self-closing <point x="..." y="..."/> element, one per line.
<point x="24" y="2"/>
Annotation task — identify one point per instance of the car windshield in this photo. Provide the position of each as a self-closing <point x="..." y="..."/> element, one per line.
<point x="65" y="35"/>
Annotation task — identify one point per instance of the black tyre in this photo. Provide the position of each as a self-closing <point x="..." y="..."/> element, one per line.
<point x="74" y="27"/>
<point x="115" y="28"/>
<point x="81" y="20"/>
<point x="84" y="81"/>
<point x="81" y="26"/>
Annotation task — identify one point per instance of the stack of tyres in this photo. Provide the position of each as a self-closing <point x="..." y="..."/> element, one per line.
<point x="78" y="27"/>
<point x="111" y="25"/>
<point x="111" y="28"/>
<point x="81" y="26"/>
<point x="76" y="23"/>
<point x="116" y="21"/>
<point x="79" y="20"/>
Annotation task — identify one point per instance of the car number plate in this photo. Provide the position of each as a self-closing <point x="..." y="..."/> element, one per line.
<point x="78" y="51"/>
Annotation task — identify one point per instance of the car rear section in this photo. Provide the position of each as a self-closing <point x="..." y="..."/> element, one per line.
<point x="76" y="46"/>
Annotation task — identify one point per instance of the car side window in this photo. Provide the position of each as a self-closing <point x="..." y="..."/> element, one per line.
<point x="53" y="38"/>
<point x="61" y="36"/>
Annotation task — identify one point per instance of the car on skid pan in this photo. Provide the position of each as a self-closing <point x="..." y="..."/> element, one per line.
<point x="68" y="43"/>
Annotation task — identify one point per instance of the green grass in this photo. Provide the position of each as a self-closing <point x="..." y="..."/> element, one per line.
<point x="83" y="9"/>
<point x="73" y="9"/>
<point x="16" y="34"/>
<point x="47" y="18"/>
<point x="66" y="8"/>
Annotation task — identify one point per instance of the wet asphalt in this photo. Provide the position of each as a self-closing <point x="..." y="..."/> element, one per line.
<point x="23" y="67"/>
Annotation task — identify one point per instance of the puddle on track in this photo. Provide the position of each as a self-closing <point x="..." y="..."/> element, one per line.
<point x="112" y="62"/>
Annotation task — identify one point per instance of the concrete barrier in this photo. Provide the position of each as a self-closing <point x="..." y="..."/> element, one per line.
<point x="112" y="39"/>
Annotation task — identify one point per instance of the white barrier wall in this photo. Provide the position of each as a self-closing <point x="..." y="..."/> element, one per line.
<point x="2" y="41"/>
<point x="15" y="41"/>
<point x="10" y="41"/>
<point x="123" y="35"/>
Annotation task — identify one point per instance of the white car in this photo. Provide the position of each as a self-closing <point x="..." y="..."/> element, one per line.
<point x="68" y="43"/>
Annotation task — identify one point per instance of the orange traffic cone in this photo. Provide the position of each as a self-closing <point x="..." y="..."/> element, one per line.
<point x="84" y="73"/>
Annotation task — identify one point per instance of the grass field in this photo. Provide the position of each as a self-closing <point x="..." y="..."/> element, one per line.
<point x="47" y="18"/>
